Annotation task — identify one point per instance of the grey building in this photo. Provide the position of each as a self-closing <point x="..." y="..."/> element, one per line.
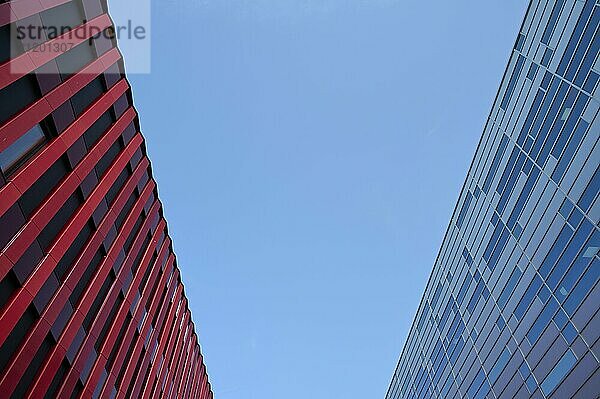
<point x="511" y="309"/>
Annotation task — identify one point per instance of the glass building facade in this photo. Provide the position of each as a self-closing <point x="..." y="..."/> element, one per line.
<point x="511" y="309"/>
<point x="92" y="303"/>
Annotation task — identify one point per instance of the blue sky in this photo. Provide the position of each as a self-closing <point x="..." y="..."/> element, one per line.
<point x="309" y="155"/>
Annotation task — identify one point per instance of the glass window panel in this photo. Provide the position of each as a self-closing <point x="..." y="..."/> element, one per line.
<point x="21" y="149"/>
<point x="559" y="371"/>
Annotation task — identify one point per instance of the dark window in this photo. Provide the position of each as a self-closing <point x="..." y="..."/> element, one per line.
<point x="32" y="369"/>
<point x="125" y="211"/>
<point x="128" y="134"/>
<point x="113" y="352"/>
<point x="85" y="278"/>
<point x="91" y="315"/>
<point x="113" y="73"/>
<point x="148" y="270"/>
<point x="62" y="319"/>
<point x="86" y="96"/>
<point x="56" y="224"/>
<point x="147" y="206"/>
<point x="154" y="289"/>
<point x="11" y="223"/>
<point x="133" y="234"/>
<point x="77" y="391"/>
<point x="35" y="195"/>
<point x="66" y="262"/>
<point x="147" y="374"/>
<point x="8" y="286"/>
<point x="160" y="306"/>
<point x="134" y="376"/>
<point x="45" y="293"/>
<point x="119" y="379"/>
<point x="144" y="180"/>
<point x="97" y="130"/>
<point x="57" y="380"/>
<point x="28" y="261"/>
<point x="13" y="341"/>
<point x="108" y="323"/>
<point x="16" y="96"/>
<point x="138" y="259"/>
<point x="108" y="158"/>
<point x="116" y="187"/>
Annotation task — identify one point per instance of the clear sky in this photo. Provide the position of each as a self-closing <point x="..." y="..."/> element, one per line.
<point x="309" y="154"/>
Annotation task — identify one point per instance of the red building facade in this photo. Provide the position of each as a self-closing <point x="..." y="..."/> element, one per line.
<point x="91" y="299"/>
